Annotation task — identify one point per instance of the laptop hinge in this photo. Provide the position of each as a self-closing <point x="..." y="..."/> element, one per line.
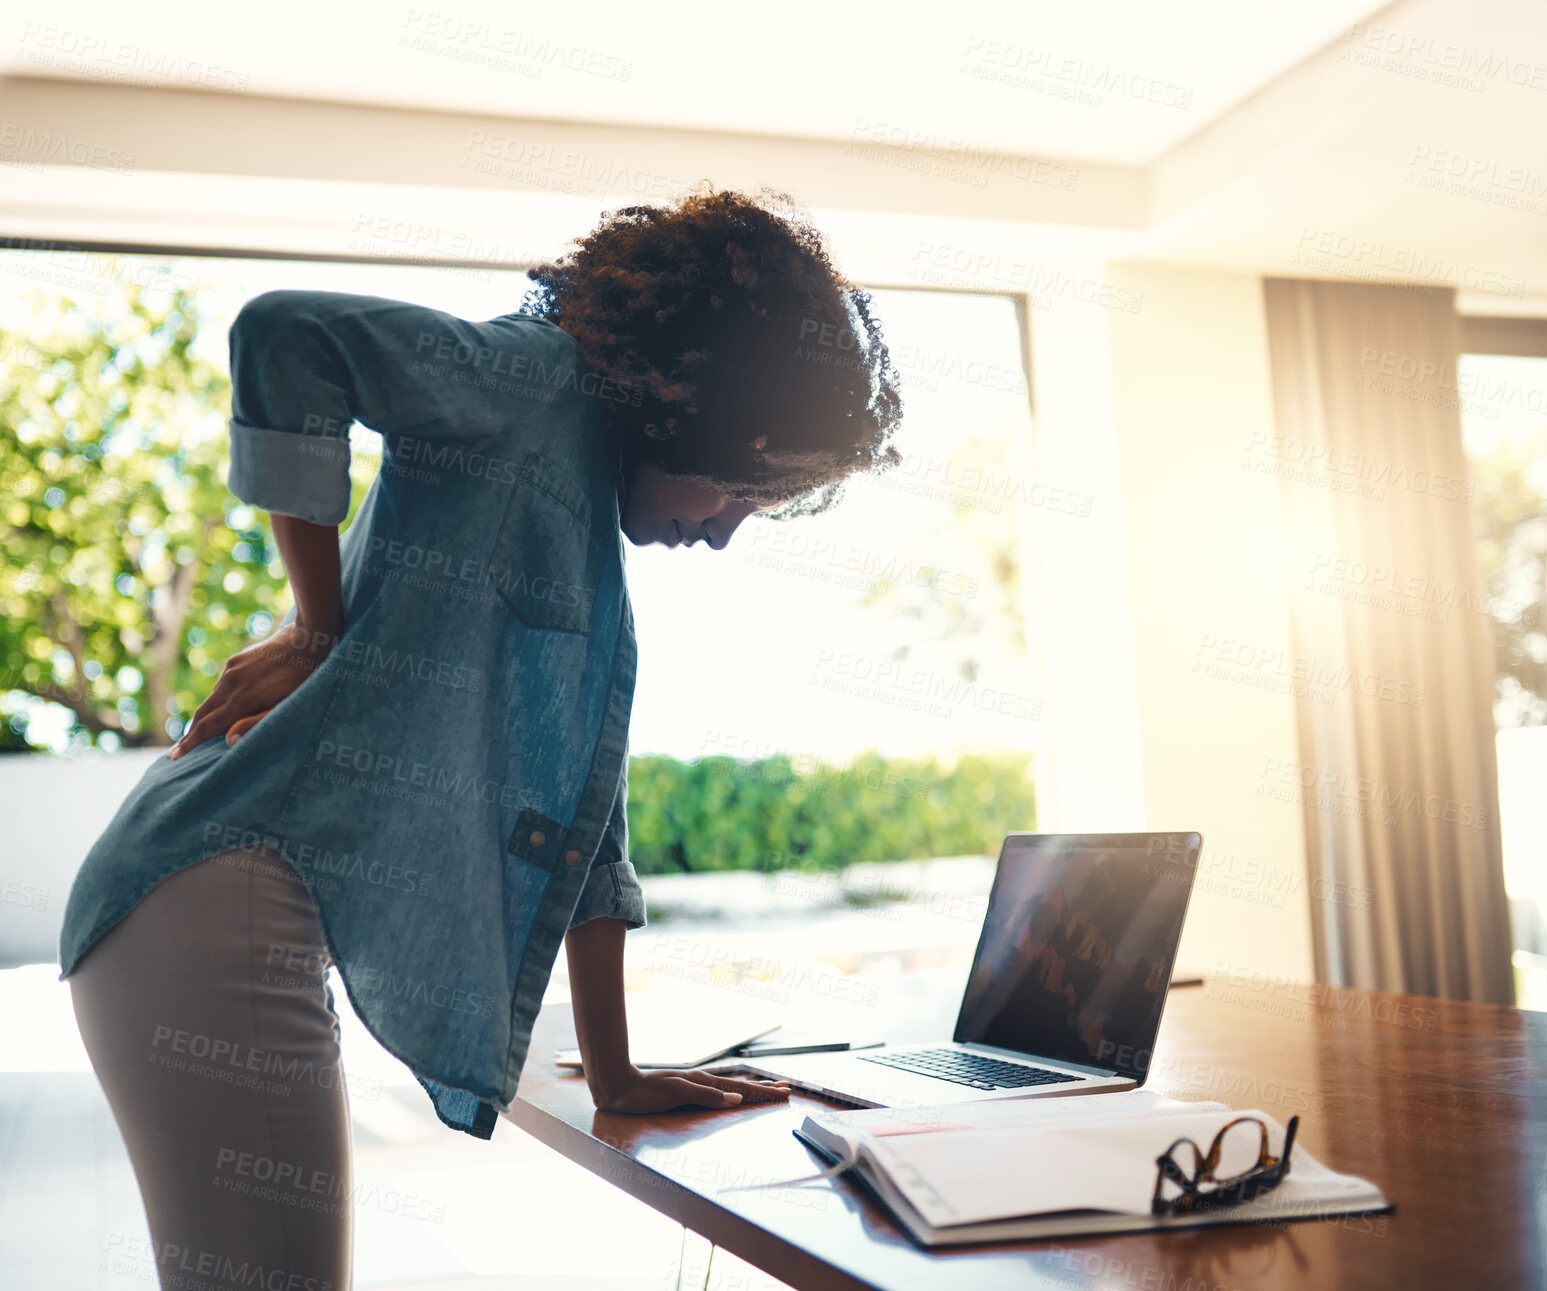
<point x="1017" y="1054"/>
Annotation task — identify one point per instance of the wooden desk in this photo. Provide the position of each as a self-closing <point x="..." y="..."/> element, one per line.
<point x="1442" y="1104"/>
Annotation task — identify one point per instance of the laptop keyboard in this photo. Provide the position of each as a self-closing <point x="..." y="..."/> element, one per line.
<point x="964" y="1068"/>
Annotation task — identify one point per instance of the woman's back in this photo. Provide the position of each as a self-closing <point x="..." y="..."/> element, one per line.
<point x="454" y="770"/>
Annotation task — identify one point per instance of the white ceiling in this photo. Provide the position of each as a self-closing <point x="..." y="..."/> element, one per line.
<point x="1158" y="73"/>
<point x="1318" y="140"/>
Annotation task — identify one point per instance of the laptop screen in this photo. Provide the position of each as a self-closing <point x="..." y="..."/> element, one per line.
<point x="1077" y="946"/>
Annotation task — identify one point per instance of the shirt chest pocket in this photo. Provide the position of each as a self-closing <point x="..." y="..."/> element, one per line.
<point x="542" y="564"/>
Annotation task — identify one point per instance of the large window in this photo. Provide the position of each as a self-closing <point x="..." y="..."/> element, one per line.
<point x="892" y="622"/>
<point x="112" y="415"/>
<point x="891" y="627"/>
<point x="1503" y="400"/>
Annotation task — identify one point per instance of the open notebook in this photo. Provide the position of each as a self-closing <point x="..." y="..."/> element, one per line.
<point x="992" y="1171"/>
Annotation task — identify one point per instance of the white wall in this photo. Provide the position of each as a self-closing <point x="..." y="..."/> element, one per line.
<point x="1523" y="823"/>
<point x="54" y="809"/>
<point x="1160" y="394"/>
<point x="1088" y="769"/>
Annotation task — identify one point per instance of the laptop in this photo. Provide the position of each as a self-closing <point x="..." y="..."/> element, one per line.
<point x="1066" y="987"/>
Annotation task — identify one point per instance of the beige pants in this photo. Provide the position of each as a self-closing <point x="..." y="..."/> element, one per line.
<point x="205" y="1016"/>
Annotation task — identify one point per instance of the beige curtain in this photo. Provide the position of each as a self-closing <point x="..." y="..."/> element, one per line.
<point x="1397" y="771"/>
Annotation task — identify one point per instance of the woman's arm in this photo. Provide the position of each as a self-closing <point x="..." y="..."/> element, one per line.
<point x="310" y="553"/>
<point x="595" y="951"/>
<point x="258" y="677"/>
<point x="306" y="365"/>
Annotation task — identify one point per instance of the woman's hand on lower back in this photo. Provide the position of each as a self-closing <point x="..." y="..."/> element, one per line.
<point x="254" y="681"/>
<point x="664" y="1091"/>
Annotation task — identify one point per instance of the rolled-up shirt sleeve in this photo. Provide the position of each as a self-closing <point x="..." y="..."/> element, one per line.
<point x="612" y="888"/>
<point x="305" y="365"/>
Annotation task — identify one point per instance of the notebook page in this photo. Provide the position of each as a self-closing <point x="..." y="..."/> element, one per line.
<point x="1014" y="1171"/>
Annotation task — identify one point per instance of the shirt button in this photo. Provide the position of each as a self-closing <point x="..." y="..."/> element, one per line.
<point x="538" y="838"/>
<point x="572" y="857"/>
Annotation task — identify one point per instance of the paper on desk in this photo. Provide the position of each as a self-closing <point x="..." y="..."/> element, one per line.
<point x="1010" y="1171"/>
<point x="990" y="1113"/>
<point x="688" y="1025"/>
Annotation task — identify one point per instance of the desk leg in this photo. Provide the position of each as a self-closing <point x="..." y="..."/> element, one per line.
<point x="733" y="1272"/>
<point x="694" y="1263"/>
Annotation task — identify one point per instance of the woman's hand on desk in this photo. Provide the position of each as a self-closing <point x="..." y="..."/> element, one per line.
<point x="595" y="950"/>
<point x="663" y="1091"/>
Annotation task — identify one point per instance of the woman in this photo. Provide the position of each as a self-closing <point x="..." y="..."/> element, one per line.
<point x="421" y="776"/>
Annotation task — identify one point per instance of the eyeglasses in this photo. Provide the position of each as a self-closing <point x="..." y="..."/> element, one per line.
<point x="1199" y="1189"/>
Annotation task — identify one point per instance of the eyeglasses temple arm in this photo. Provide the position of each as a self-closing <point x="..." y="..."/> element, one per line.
<point x="1289" y="1141"/>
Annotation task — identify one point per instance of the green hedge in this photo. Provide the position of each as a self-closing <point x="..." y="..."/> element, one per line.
<point x="776" y="813"/>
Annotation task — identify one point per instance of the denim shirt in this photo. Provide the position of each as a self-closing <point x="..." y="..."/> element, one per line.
<point x="451" y="781"/>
